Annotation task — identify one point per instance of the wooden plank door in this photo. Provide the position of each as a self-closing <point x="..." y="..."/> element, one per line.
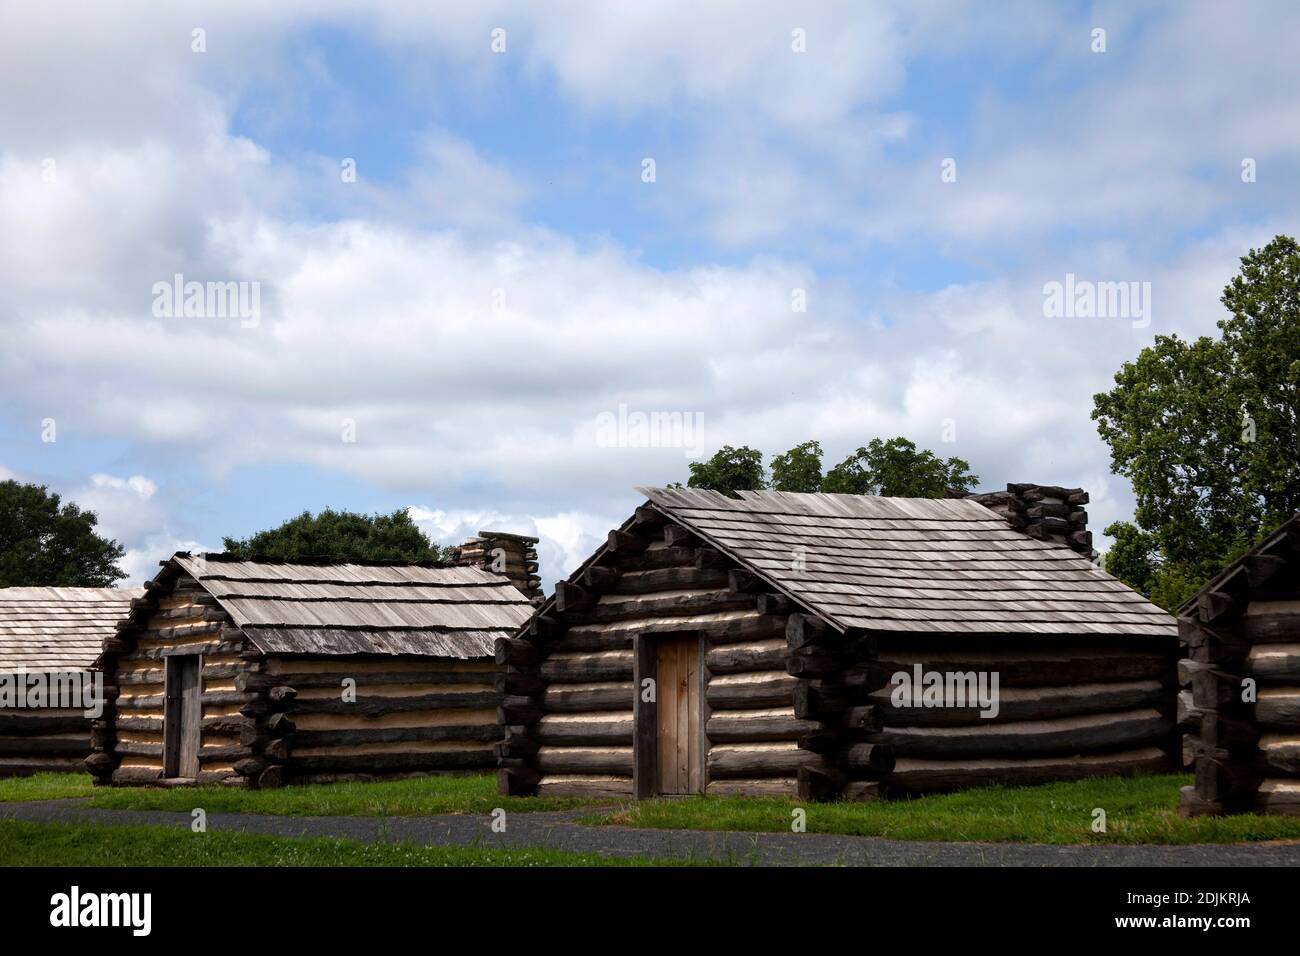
<point x="182" y="716"/>
<point x="678" y="715"/>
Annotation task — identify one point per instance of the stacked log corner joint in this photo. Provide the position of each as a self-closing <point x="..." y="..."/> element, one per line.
<point x="784" y="712"/>
<point x="1044" y="512"/>
<point x="1239" y="702"/>
<point x="513" y="555"/>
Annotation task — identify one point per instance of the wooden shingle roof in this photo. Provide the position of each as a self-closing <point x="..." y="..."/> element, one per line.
<point x="58" y="629"/>
<point x="360" y="608"/>
<point x="912" y="564"/>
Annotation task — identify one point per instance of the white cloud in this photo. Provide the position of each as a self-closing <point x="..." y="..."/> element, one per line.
<point x="378" y="319"/>
<point x="142" y="487"/>
<point x="565" y="540"/>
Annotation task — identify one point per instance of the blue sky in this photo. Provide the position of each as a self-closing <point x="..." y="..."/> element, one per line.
<point x="499" y="275"/>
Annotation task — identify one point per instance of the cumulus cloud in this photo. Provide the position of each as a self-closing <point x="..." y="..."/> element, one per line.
<point x="420" y="334"/>
<point x="129" y="511"/>
<point x="565" y="539"/>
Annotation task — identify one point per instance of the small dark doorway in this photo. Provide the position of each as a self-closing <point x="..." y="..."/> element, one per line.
<point x="182" y="716"/>
<point x="669" y="740"/>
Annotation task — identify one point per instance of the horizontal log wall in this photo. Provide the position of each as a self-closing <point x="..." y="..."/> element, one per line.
<point x="1067" y="708"/>
<point x="410" y="715"/>
<point x="1240" y="699"/>
<point x="43" y="740"/>
<point x="569" y="716"/>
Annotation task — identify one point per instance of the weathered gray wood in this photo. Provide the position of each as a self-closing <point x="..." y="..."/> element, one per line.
<point x="518" y="682"/>
<point x="763" y="787"/>
<point x="767" y="654"/>
<point x="663" y="606"/>
<point x="1028" y="703"/>
<point x="1279" y="710"/>
<point x="394" y="763"/>
<point x="478" y="733"/>
<point x="519" y="710"/>
<point x="670" y="579"/>
<point x="1275" y="663"/>
<point x="1033" y="668"/>
<point x="35" y="723"/>
<point x="862" y="791"/>
<point x="820" y="700"/>
<point x="518" y="780"/>
<point x="592" y="667"/>
<point x="719" y="628"/>
<point x="516" y="652"/>
<point x="614" y="730"/>
<point x="748" y="691"/>
<point x="375" y="706"/>
<point x="574" y="698"/>
<point x="872" y="758"/>
<point x="1259" y="626"/>
<point x="1278" y="796"/>
<point x="645" y="718"/>
<point x="803" y="630"/>
<point x="1091" y="733"/>
<point x="727" y="726"/>
<point x="819" y="781"/>
<point x="593" y="787"/>
<point x="918" y="775"/>
<point x="771" y="760"/>
<point x="78" y="746"/>
<point x="584" y="760"/>
<point x="632" y="562"/>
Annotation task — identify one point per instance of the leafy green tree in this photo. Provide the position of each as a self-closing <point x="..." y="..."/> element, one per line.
<point x="896" y="469"/>
<point x="799" y="469"/>
<point x="45" y="545"/>
<point x="340" y="534"/>
<point x="1208" y="432"/>
<point x="892" y="467"/>
<point x="729" y="470"/>
<point x="1134" y="557"/>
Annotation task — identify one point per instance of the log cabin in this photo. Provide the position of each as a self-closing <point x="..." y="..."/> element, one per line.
<point x="1239" y="701"/>
<point x="49" y="638"/>
<point x="837" y="646"/>
<point x="255" y="673"/>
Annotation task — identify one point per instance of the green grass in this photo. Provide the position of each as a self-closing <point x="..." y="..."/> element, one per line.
<point x="1138" y="810"/>
<point x="416" y="796"/>
<point x="45" y="786"/>
<point x="58" y="844"/>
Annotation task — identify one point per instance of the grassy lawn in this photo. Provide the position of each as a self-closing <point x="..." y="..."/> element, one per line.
<point x="45" y="786"/>
<point x="1138" y="810"/>
<point x="387" y="798"/>
<point x="36" y="844"/>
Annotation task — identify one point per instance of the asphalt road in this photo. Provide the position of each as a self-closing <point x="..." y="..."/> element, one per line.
<point x="560" y="831"/>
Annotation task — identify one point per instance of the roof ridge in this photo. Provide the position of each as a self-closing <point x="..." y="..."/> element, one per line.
<point x="314" y="560"/>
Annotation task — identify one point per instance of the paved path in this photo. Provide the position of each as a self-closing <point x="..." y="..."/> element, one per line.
<point x="561" y="831"/>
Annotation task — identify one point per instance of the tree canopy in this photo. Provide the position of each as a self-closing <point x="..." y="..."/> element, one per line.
<point x="340" y="534"/>
<point x="894" y="468"/>
<point x="1208" y="432"/>
<point x="799" y="469"/>
<point x="729" y="470"/>
<point x="45" y="544"/>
